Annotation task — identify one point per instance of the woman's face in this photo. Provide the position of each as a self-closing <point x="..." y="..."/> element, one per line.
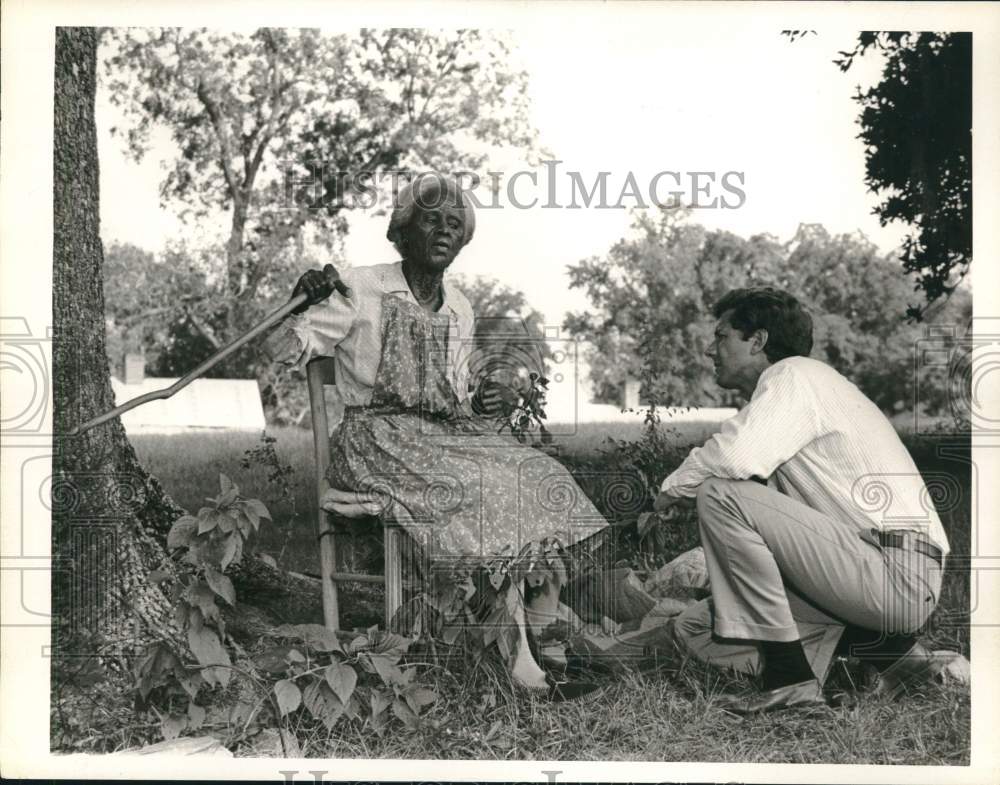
<point x="434" y="235"/>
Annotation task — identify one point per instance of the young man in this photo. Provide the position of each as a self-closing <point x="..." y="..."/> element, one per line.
<point x="842" y="545"/>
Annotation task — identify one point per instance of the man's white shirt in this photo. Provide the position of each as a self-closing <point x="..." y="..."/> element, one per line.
<point x="816" y="438"/>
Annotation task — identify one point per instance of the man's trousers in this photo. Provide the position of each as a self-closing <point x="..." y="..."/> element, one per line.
<point x="781" y="571"/>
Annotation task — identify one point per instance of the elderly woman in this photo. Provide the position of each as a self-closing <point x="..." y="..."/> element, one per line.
<point x="414" y="444"/>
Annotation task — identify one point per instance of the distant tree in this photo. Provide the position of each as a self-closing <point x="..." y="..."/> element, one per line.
<point x="509" y="333"/>
<point x="276" y="126"/>
<point x="149" y="301"/>
<point x="653" y="296"/>
<point x="916" y="124"/>
<point x="856" y="295"/>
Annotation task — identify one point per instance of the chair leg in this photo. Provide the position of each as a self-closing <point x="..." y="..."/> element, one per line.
<point x="328" y="565"/>
<point x="393" y="572"/>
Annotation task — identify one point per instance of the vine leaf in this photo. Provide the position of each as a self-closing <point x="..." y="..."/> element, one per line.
<point x="220" y="584"/>
<point x="418" y="697"/>
<point x="258" y="507"/>
<point x="173" y="725"/>
<point x="196" y="716"/>
<point x="207" y="520"/>
<point x="183" y="532"/>
<point x="389" y="673"/>
<point x="208" y="649"/>
<point x="342" y="680"/>
<point x="289" y="696"/>
<point x="406" y="714"/>
<point x="316" y="636"/>
<point x="232" y="551"/>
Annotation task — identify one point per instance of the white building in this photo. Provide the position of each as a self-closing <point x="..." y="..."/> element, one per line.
<point x="205" y="404"/>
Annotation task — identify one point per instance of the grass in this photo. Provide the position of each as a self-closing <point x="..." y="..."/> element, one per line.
<point x="665" y="713"/>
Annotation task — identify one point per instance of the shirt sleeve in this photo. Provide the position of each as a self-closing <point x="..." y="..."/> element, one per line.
<point x="778" y="422"/>
<point x="315" y="333"/>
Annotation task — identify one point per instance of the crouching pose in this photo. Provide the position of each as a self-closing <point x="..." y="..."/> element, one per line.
<point x="841" y="548"/>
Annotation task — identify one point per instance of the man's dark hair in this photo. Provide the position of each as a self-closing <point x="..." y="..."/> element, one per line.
<point x="789" y="326"/>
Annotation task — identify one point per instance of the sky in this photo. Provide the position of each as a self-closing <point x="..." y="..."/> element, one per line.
<point x="625" y="98"/>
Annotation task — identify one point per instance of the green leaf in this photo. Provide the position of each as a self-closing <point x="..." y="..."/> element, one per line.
<point x="208" y="650"/>
<point x="258" y="507"/>
<point x="227" y="498"/>
<point x="316" y="636"/>
<point x="226" y="521"/>
<point x="418" y="697"/>
<point x="332" y="707"/>
<point x="273" y="660"/>
<point x="386" y="670"/>
<point x="158" y="576"/>
<point x="182" y="533"/>
<point x="360" y="643"/>
<point x="249" y="513"/>
<point x="196" y="620"/>
<point x="225" y="483"/>
<point x="220" y="584"/>
<point x="406" y="714"/>
<point x="312" y="698"/>
<point x="201" y="596"/>
<point x="191" y="683"/>
<point x="172" y="726"/>
<point x="380" y="700"/>
<point x="208" y="519"/>
<point x="342" y="680"/>
<point x="232" y="551"/>
<point x="288" y="695"/>
<point x="196" y="716"/>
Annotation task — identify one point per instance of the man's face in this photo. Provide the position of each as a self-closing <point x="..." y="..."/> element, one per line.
<point x="734" y="360"/>
<point x="435" y="233"/>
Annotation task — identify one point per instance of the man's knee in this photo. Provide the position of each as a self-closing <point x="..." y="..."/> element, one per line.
<point x="710" y="493"/>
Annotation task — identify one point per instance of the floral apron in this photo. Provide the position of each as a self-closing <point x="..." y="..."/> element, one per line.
<point x="462" y="491"/>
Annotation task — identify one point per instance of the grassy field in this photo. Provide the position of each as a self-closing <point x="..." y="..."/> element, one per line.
<point x="664" y="712"/>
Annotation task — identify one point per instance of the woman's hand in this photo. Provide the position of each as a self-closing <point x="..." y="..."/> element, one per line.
<point x="353" y="504"/>
<point x="493" y="399"/>
<point x="318" y="285"/>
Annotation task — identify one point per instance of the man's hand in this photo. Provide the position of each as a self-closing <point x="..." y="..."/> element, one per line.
<point x="353" y="504"/>
<point x="669" y="508"/>
<point x="318" y="285"/>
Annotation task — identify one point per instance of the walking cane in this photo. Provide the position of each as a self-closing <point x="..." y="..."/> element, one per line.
<point x="158" y="395"/>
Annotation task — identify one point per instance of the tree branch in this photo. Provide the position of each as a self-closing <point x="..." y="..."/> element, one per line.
<point x="222" y="135"/>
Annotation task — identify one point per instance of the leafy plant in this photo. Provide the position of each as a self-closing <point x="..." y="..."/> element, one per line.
<point x="522" y="411"/>
<point x="330" y="675"/>
<point x="204" y="546"/>
<point x="280" y="476"/>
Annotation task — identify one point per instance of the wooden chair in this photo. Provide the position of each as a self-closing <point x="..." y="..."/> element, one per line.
<point x="320" y="373"/>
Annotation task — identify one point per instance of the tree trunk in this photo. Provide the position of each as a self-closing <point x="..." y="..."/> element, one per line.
<point x="109" y="516"/>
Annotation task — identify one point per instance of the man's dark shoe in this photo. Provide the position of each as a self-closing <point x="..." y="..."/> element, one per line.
<point x="915" y="669"/>
<point x="805" y="694"/>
